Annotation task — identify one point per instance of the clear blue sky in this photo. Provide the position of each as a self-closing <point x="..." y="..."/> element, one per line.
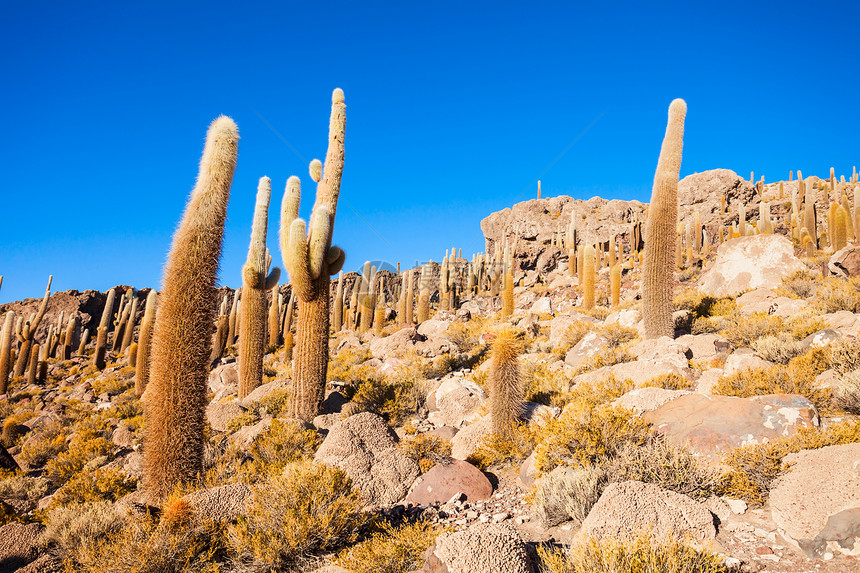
<point x="454" y="110"/>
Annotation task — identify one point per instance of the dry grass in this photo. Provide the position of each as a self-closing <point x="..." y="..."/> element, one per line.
<point x="848" y="395"/>
<point x="837" y="294"/>
<point x="779" y="348"/>
<point x="566" y="494"/>
<point x="391" y="550"/>
<point x="800" y="284"/>
<point x="426" y="449"/>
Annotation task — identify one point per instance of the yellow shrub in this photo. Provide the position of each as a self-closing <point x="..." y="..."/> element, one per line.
<point x="837" y="294"/>
<point x="845" y="355"/>
<point x="799" y="284"/>
<point x="45" y="444"/>
<point x="86" y="444"/>
<point x="246" y="418"/>
<point x="609" y="356"/>
<point x="774" y="380"/>
<point x="426" y="449"/>
<point x="617" y="335"/>
<point x="754" y="467"/>
<point x="577" y="331"/>
<point x="545" y="386"/>
<point x="393" y="398"/>
<point x="284" y="442"/>
<point x="669" y="381"/>
<point x="497" y="450"/>
<point x="347" y="366"/>
<point x="748" y="329"/>
<point x="97" y="485"/>
<point x="805" y="323"/>
<point x="392" y="550"/>
<point x="111" y="384"/>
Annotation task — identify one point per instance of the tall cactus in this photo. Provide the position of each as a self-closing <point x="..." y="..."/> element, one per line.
<point x="410" y="296"/>
<point x="337" y="311"/>
<point x="424" y="293"/>
<point x="6" y="350"/>
<point x="174" y="411"/>
<point x="658" y="268"/>
<point x="588" y="262"/>
<point x="28" y="331"/>
<point x="310" y="259"/>
<point x="506" y="384"/>
<point x="255" y="283"/>
<point x="67" y="339"/>
<point x="144" y="343"/>
<point x="615" y="285"/>
<point x="840" y="228"/>
<point x="102" y="331"/>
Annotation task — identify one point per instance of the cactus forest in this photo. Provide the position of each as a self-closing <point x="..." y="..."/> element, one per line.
<point x="599" y="385"/>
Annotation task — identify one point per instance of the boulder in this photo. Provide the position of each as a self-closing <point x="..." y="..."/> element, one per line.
<point x="646" y="399"/>
<point x="221" y="504"/>
<point x="19" y="545"/>
<point x="467" y="440"/>
<point x="821" y="338"/>
<point x="701" y="192"/>
<point x="590" y="345"/>
<point x="245" y="436"/>
<point x="46" y="563"/>
<point x="748" y="263"/>
<point x="219" y="414"/>
<point x="262" y="391"/>
<point x="455" y="402"/>
<point x="444" y="480"/>
<point x="625" y="509"/>
<point x="558" y="326"/>
<point x="816" y="505"/>
<point x="638" y="371"/>
<point x="7" y="462"/>
<point x="743" y="359"/>
<point x="528" y="471"/>
<point x="366" y="449"/>
<point x="629" y="318"/>
<point x="542" y="305"/>
<point x="845" y="262"/>
<point x="481" y="548"/>
<point x="704" y="346"/>
<point x="224" y="376"/>
<point x="713" y="425"/>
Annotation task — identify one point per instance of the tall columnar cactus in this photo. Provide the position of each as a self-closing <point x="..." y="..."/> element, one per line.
<point x="219" y="338"/>
<point x="32" y="367"/>
<point x="615" y="284"/>
<point x="410" y="296"/>
<point x="840" y="228"/>
<point x="102" y="331"/>
<point x="508" y="288"/>
<point x="401" y="302"/>
<point x="337" y="311"/>
<point x="233" y="320"/>
<point x="174" y="410"/>
<point x="658" y="268"/>
<point x="810" y="215"/>
<point x="506" y="384"/>
<point x="311" y="259"/>
<point x="274" y="327"/>
<point x="765" y="224"/>
<point x="379" y="315"/>
<point x="365" y="297"/>
<point x="128" y="333"/>
<point x="67" y="339"/>
<point x="849" y="222"/>
<point x="144" y="343"/>
<point x="85" y="338"/>
<point x="424" y="293"/>
<point x="28" y="331"/>
<point x="6" y="350"/>
<point x="588" y="262"/>
<point x="123" y="318"/>
<point x="831" y="222"/>
<point x="255" y="283"/>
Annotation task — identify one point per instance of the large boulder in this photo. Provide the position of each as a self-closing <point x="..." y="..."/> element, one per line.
<point x="590" y="345"/>
<point x="713" y="425"/>
<point x="845" y="262"/>
<point x="455" y="402"/>
<point x="482" y="548"/>
<point x="643" y="400"/>
<point x="816" y="505"/>
<point x="748" y="263"/>
<point x="366" y="449"/>
<point x="444" y="480"/>
<point x="221" y="504"/>
<point x="219" y="414"/>
<point x="469" y="439"/>
<point x="19" y="545"/>
<point x="625" y="509"/>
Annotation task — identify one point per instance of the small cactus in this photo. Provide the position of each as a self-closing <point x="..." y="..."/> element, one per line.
<point x="28" y="331"/>
<point x="615" y="284"/>
<point x="506" y="384"/>
<point x="840" y="235"/>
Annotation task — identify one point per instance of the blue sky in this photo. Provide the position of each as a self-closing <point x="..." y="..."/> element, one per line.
<point x="454" y="110"/>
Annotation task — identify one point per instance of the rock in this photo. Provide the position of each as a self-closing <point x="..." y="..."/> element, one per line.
<point x="845" y="262"/>
<point x="821" y="338"/>
<point x="638" y="371"/>
<point x="326" y="421"/>
<point x="750" y="262"/>
<point x="590" y="345"/>
<point x="528" y="471"/>
<point x="542" y="305"/>
<point x="224" y="376"/>
<point x="816" y="505"/>
<point x="755" y="298"/>
<point x="219" y="414"/>
<point x="482" y="548"/>
<point x="261" y="392"/>
<point x="558" y="326"/>
<point x="738" y="506"/>
<point x="469" y="438"/>
<point x="44" y="564"/>
<point x="704" y="346"/>
<point x="844" y="321"/>
<point x="366" y="449"/>
<point x="7" y="462"/>
<point x="538" y="414"/>
<point x="221" y="504"/>
<point x="714" y="425"/>
<point x="627" y="508"/>
<point x="708" y="379"/>
<point x="702" y="191"/>
<point x="743" y="359"/>
<point x="245" y="436"/>
<point x="123" y="436"/>
<point x="455" y="402"/>
<point x="628" y="318"/>
<point x="445" y="479"/>
<point x="646" y="399"/>
<point x="19" y="545"/>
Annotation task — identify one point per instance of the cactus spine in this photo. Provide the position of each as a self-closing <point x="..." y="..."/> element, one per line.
<point x="144" y="343"/>
<point x="311" y="260"/>
<point x="588" y="263"/>
<point x="102" y="331"/>
<point x="174" y="411"/>
<point x="255" y="283"/>
<point x="6" y="350"/>
<point x="658" y="271"/>
<point x="506" y="384"/>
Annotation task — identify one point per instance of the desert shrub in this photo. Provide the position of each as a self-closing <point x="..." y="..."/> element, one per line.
<point x="609" y="356"/>
<point x="598" y="312"/>
<point x="668" y="381"/>
<point x="14" y="429"/>
<point x="709" y="325"/>
<point x="745" y="330"/>
<point x="837" y="294"/>
<point x="577" y="331"/>
<point x="44" y="444"/>
<point x="805" y="323"/>
<point x="111" y="385"/>
<point x="779" y="348"/>
<point x="592" y="394"/>
<point x="426" y="449"/>
<point x="246" y="418"/>
<point x="79" y="524"/>
<point x="348" y="366"/>
<point x="496" y="450"/>
<point x="848" y="395"/>
<point x="617" y="334"/>
<point x="566" y="494"/>
<point x="96" y="485"/>
<point x="845" y="355"/>
<point x="276" y="403"/>
<point x="774" y="380"/>
<point x="284" y="442"/>
<point x="16" y="486"/>
<point x="584" y="435"/>
<point x="392" y="550"/>
<point x="307" y="509"/>
<point x="799" y="284"/>
<point x="87" y="443"/>
<point x="755" y="466"/>
<point x="393" y="398"/>
<point x="641" y="555"/>
<point x="467" y="335"/>
<point x="544" y="386"/>
<point x="670" y="467"/>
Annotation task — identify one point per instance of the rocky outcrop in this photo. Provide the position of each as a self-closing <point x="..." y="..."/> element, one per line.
<point x="701" y="193"/>
<point x="446" y="479"/>
<point x="19" y="545"/>
<point x="482" y="548"/>
<point x="845" y="262"/>
<point x="748" y="263"/>
<point x="219" y="504"/>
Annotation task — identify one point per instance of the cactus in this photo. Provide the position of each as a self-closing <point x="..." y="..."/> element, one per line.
<point x="32" y="367"/>
<point x="233" y="320"/>
<point x="85" y="338"/>
<point x="424" y="293"/>
<point x="379" y="315"/>
<point x="846" y="204"/>
<point x="288" y="315"/>
<point x="132" y="353"/>
<point x="128" y="335"/>
<point x="508" y="290"/>
<point x="588" y="263"/>
<point x="657" y="274"/>
<point x="506" y="384"/>
<point x="410" y="288"/>
<point x="337" y="311"/>
<point x="615" y="285"/>
<point x="6" y="350"/>
<point x="538" y="189"/>
<point x="840" y="234"/>
<point x="809" y="211"/>
<point x="123" y="319"/>
<point x="67" y="339"/>
<point x="765" y="223"/>
<point x="219" y="339"/>
<point x="255" y="283"/>
<point x="311" y="260"/>
<point x="28" y="331"/>
<point x="144" y="343"/>
<point x="174" y="410"/>
<point x="102" y="331"/>
<point x="275" y="317"/>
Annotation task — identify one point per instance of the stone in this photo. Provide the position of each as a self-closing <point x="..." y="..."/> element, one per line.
<point x="738" y="506"/>
<point x="123" y="436"/>
<point x="542" y="305"/>
<point x="845" y="262"/>
<point x="262" y="391"/>
<point x="744" y="359"/>
<point x="7" y="462"/>
<point x="748" y="263"/>
<point x="704" y="346"/>
<point x="365" y="447"/>
<point x="468" y="439"/>
<point x="643" y="400"/>
<point x="455" y="402"/>
<point x="46" y="563"/>
<point x="245" y="436"/>
<point x="219" y="414"/>
<point x="821" y="338"/>
<point x="528" y="471"/>
<point x="843" y="321"/>
<point x="19" y="545"/>
<point x="223" y="376"/>
<point x="627" y="318"/>
<point x="709" y="378"/>
<point x="481" y="548"/>
<point x="558" y="326"/>
<point x="627" y="508"/>
<point x="713" y="425"/>
<point x="816" y="504"/>
<point x="590" y="345"/>
<point x="221" y="504"/>
<point x="445" y="479"/>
